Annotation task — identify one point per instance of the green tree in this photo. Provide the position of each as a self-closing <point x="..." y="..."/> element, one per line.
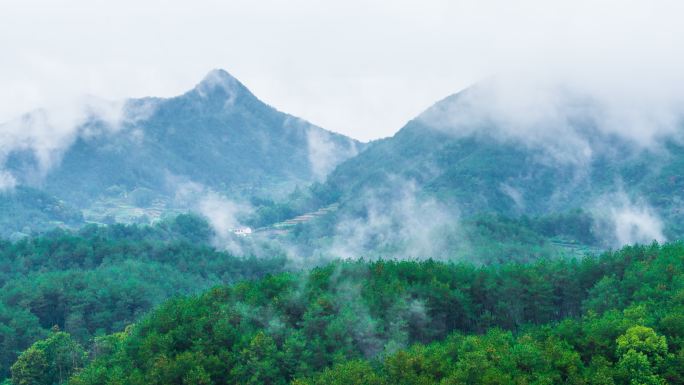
<point x="260" y="363"/>
<point x="49" y="362"/>
<point x="642" y="352"/>
<point x="31" y="368"/>
<point x="348" y="373"/>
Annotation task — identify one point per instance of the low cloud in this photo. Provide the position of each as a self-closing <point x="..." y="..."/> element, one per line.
<point x="223" y="214"/>
<point x="47" y="133"/>
<point x="570" y="119"/>
<point x="325" y="153"/>
<point x="397" y="222"/>
<point x="365" y="329"/>
<point x="7" y="181"/>
<point x="622" y="220"/>
<point x="515" y="194"/>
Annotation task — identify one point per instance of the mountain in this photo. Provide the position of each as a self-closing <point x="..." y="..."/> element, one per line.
<point x="469" y="155"/>
<point x="502" y="190"/>
<point x="483" y="168"/>
<point x="216" y="137"/>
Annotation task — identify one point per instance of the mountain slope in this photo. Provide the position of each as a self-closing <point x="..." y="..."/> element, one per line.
<point x="25" y="210"/>
<point x="476" y="159"/>
<point x="482" y="179"/>
<point x="217" y="136"/>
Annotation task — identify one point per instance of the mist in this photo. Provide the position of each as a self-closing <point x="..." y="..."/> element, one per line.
<point x="394" y="221"/>
<point x="365" y="82"/>
<point x="357" y="191"/>
<point x="47" y="133"/>
<point x="325" y="154"/>
<point x="569" y="121"/>
<point x="621" y="220"/>
<point x="223" y="215"/>
<point x="572" y="81"/>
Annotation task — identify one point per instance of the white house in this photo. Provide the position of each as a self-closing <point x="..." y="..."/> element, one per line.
<point x="242" y="231"/>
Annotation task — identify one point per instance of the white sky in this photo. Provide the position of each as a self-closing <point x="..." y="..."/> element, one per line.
<point x="362" y="68"/>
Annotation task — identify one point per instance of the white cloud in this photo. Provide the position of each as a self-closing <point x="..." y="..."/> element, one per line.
<point x="359" y="67"/>
<point x="571" y="118"/>
<point x="221" y="212"/>
<point x="47" y="133"/>
<point x="396" y="222"/>
<point x="324" y="153"/>
<point x="7" y="181"/>
<point x="515" y="194"/>
<point x="622" y="220"/>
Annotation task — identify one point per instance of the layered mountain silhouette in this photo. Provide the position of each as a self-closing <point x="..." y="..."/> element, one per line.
<point x="461" y="153"/>
<point x="217" y="136"/>
<point x="469" y="157"/>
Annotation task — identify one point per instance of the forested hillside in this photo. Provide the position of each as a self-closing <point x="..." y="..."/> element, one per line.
<point x="218" y="135"/>
<point x="464" y="192"/>
<point x="25" y="210"/>
<point x="100" y="279"/>
<point x="611" y="319"/>
<point x="462" y="159"/>
<point x="434" y="256"/>
<point x="479" y="239"/>
<point x="141" y="158"/>
<point x="481" y="159"/>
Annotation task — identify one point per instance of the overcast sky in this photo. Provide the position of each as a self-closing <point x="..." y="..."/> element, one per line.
<point x="362" y="68"/>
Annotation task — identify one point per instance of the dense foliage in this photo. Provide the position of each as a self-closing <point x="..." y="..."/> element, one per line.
<point x="101" y="279"/>
<point x="25" y="210"/>
<point x="507" y="296"/>
<point x="480" y="239"/>
<point x="613" y="319"/>
<point x="49" y="361"/>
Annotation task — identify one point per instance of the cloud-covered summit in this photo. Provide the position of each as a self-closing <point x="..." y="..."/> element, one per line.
<point x="572" y="121"/>
<point x="218" y="135"/>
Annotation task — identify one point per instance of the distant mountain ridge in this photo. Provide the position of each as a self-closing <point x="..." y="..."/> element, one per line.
<point x="458" y="159"/>
<point x="478" y="165"/>
<point x="217" y="136"/>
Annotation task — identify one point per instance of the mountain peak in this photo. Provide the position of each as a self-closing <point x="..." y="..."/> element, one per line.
<point x="218" y="74"/>
<point x="219" y="81"/>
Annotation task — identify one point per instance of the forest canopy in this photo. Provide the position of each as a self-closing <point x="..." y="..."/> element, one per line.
<point x="100" y="279"/>
<point x="611" y="319"/>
